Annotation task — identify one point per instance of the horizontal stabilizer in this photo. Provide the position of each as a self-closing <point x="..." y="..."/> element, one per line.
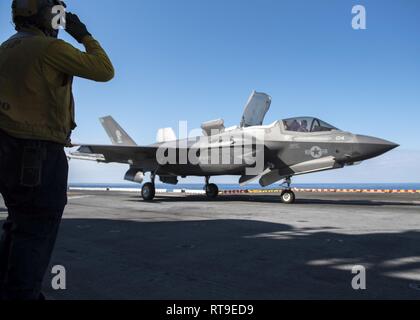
<point x="86" y="157"/>
<point x="116" y="154"/>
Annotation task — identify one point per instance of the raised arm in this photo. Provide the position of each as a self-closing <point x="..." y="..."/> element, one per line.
<point x="94" y="64"/>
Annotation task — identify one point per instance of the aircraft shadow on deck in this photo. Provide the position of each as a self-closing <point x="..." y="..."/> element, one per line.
<point x="229" y="259"/>
<point x="276" y="199"/>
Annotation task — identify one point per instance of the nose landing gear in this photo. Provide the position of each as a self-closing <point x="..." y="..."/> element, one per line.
<point x="288" y="197"/>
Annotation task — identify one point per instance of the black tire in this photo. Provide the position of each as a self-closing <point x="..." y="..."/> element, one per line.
<point x="288" y="197"/>
<point x="212" y="191"/>
<point x="148" y="191"/>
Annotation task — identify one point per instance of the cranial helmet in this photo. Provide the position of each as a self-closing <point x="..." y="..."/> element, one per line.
<point x="29" y="8"/>
<point x="37" y="13"/>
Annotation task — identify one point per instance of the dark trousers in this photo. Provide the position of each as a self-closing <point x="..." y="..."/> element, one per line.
<point x="33" y="183"/>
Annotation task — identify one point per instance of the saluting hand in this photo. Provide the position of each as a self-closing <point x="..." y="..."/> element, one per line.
<point x="76" y="28"/>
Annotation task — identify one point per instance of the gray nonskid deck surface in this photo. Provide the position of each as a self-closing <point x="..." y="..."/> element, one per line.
<point x="115" y="246"/>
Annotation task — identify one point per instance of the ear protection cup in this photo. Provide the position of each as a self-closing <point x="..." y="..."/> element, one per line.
<point x="45" y="18"/>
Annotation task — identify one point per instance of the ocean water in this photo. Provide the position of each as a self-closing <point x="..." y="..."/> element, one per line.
<point x="381" y="186"/>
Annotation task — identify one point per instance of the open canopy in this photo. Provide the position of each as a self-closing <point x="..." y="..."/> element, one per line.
<point x="307" y="124"/>
<point x="255" y="110"/>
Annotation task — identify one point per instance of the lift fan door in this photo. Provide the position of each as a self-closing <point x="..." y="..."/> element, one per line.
<point x="256" y="109"/>
<point x="165" y="135"/>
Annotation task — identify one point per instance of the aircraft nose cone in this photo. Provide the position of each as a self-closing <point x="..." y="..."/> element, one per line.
<point x="370" y="147"/>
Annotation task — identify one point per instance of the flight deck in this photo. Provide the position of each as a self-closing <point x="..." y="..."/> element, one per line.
<point x="114" y="245"/>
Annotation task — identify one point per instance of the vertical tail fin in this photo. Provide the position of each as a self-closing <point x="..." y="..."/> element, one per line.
<point x="117" y="134"/>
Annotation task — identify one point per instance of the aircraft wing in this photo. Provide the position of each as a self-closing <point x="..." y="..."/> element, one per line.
<point x="318" y="165"/>
<point x="114" y="153"/>
<point x="270" y="176"/>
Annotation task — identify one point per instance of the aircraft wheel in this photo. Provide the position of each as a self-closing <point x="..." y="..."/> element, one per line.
<point x="288" y="197"/>
<point x="212" y="191"/>
<point x="148" y="191"/>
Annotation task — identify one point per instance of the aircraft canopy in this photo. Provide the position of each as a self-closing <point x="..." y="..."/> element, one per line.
<point x="255" y="110"/>
<point x="307" y="124"/>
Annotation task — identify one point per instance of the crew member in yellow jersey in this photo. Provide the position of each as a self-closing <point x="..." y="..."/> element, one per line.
<point x="36" y="121"/>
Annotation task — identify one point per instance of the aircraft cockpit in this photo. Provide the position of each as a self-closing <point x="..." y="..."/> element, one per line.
<point x="307" y="124"/>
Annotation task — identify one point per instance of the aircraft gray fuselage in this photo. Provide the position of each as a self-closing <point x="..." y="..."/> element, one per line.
<point x="283" y="151"/>
<point x="278" y="151"/>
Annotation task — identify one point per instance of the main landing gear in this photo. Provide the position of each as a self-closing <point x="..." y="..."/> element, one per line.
<point x="148" y="191"/>
<point x="212" y="191"/>
<point x="288" y="196"/>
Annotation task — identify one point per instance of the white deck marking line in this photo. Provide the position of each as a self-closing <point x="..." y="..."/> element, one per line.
<point x="78" y="197"/>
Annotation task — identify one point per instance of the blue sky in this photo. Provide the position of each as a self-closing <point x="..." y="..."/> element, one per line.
<point x="198" y="60"/>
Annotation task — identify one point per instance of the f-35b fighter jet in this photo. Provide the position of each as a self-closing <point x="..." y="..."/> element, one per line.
<point x="255" y="152"/>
